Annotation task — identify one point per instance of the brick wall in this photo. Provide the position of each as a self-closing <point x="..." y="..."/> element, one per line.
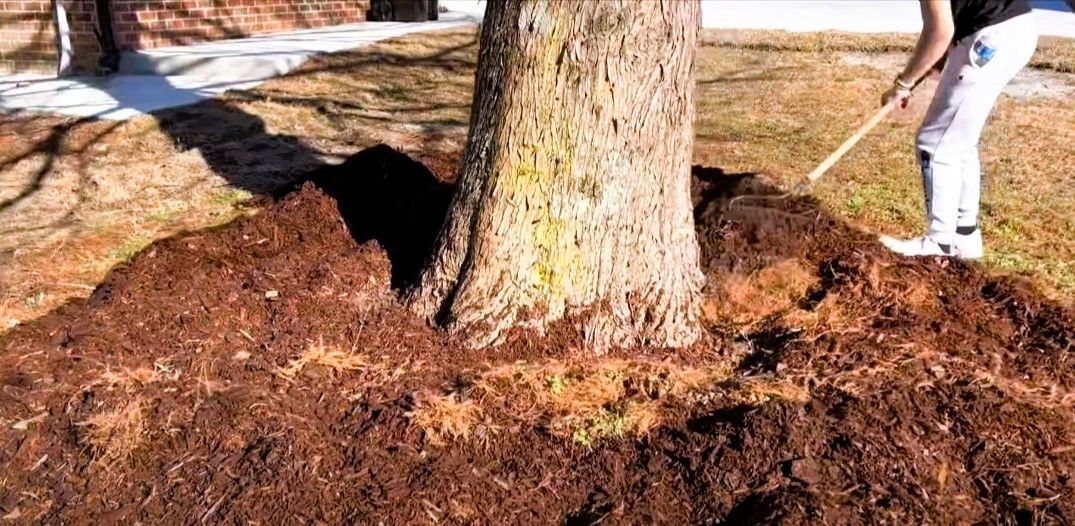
<point x="82" y="18"/>
<point x="141" y="24"/>
<point x="28" y="36"/>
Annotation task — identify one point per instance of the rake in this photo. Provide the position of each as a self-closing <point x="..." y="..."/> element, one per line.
<point x="755" y="201"/>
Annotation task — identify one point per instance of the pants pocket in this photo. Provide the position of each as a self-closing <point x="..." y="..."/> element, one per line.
<point x="979" y="53"/>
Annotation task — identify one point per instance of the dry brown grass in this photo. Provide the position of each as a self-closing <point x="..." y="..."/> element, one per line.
<point x="445" y="418"/>
<point x="24" y="424"/>
<point x="1054" y="53"/>
<point x="327" y="356"/>
<point x="904" y="361"/>
<point x="583" y="386"/>
<point x="109" y="191"/>
<point x="126" y="378"/>
<point x="114" y="435"/>
<point x="1042" y="392"/>
<point x="745" y="299"/>
<point x="1057" y="54"/>
<point x="590" y="401"/>
<point x="759" y="391"/>
<point x="891" y="359"/>
<point x="132" y="379"/>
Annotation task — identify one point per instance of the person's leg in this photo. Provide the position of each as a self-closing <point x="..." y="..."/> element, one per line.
<point x="1018" y="38"/>
<point x="968" y="241"/>
<point x="940" y="151"/>
<point x="941" y="181"/>
<point x="970" y="192"/>
<point x="948" y="139"/>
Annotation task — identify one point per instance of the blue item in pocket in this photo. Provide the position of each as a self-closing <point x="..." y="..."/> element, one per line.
<point x="982" y="53"/>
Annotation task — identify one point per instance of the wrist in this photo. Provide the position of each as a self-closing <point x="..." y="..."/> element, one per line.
<point x="899" y="82"/>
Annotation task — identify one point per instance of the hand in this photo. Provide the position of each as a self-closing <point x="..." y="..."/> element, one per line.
<point x="896" y="92"/>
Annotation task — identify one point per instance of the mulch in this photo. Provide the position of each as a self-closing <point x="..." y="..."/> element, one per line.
<point x="951" y="405"/>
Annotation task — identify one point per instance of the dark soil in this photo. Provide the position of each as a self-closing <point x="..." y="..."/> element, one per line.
<point x="937" y="394"/>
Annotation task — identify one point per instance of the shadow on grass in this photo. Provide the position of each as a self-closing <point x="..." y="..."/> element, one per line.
<point x="239" y="148"/>
<point x="383" y="195"/>
<point x="56" y="142"/>
<point x="236" y="143"/>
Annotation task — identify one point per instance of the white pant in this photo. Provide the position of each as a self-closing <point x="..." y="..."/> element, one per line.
<point x="948" y="139"/>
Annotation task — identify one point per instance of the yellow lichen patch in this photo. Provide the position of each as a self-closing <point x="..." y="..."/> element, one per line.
<point x="745" y="299"/>
<point x="532" y="163"/>
<point x="550" y="272"/>
<point x="528" y="174"/>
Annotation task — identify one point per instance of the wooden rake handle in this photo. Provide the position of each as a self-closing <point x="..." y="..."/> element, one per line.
<point x="848" y="144"/>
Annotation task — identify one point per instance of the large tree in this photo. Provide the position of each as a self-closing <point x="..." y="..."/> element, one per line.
<point x="574" y="189"/>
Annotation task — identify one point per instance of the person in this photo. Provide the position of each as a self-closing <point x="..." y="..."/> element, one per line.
<point x="987" y="43"/>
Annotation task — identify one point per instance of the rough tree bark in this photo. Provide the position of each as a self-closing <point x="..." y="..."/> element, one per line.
<point x="574" y="195"/>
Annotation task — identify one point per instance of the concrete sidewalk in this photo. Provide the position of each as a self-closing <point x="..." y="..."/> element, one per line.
<point x="267" y="56"/>
<point x="165" y="77"/>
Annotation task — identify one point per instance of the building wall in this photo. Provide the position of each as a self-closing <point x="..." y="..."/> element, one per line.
<point x="28" y="35"/>
<point x="141" y="24"/>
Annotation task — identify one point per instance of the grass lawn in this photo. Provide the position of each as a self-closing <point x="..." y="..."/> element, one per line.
<point x="78" y="197"/>
<point x="778" y="103"/>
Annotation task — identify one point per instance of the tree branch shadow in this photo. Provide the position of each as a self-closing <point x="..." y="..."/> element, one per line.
<point x="53" y="146"/>
<point x="383" y="195"/>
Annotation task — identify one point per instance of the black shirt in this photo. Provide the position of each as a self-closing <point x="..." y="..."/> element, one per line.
<point x="972" y="16"/>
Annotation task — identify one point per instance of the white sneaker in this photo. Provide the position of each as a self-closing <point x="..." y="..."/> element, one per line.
<point x="919" y="246"/>
<point x="969" y="246"/>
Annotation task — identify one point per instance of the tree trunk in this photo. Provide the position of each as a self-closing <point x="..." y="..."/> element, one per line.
<point x="574" y="193"/>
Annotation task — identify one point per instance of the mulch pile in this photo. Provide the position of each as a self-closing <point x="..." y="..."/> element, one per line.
<point x="176" y="393"/>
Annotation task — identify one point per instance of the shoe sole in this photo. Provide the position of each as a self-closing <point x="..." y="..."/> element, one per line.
<point x="891" y="243"/>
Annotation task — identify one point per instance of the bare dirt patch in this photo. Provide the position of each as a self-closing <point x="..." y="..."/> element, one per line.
<point x="908" y="391"/>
